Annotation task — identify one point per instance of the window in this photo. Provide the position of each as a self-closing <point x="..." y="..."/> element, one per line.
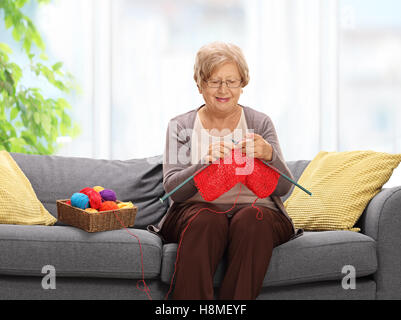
<point x="154" y="44"/>
<point x="328" y="73"/>
<point x="370" y="77"/>
<point x="134" y="62"/>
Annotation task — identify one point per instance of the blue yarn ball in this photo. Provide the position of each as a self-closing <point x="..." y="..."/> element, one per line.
<point x="80" y="200"/>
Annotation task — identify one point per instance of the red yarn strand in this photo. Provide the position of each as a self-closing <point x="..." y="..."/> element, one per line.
<point x="145" y="287"/>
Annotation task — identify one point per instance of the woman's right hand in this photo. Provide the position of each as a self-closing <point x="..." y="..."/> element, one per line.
<point x="218" y="150"/>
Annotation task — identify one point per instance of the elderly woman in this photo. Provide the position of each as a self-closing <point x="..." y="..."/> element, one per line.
<point x="221" y="73"/>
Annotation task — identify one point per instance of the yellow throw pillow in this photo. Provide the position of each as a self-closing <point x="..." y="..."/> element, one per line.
<point x="18" y="201"/>
<point x="342" y="184"/>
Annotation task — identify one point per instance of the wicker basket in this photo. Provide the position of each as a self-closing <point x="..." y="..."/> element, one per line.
<point x="98" y="221"/>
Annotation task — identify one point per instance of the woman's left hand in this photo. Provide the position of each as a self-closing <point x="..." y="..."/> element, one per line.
<point x="260" y="148"/>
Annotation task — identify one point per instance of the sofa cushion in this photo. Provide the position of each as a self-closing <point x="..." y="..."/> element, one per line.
<point x="138" y="180"/>
<point x="316" y="256"/>
<point x="18" y="201"/>
<point x="342" y="184"/>
<point x="25" y="250"/>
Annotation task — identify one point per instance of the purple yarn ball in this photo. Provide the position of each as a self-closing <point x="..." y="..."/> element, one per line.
<point x="108" y="195"/>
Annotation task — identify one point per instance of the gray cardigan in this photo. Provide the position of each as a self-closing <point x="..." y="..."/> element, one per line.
<point x="177" y="155"/>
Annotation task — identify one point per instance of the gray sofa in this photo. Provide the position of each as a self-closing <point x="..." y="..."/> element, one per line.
<point x="106" y="265"/>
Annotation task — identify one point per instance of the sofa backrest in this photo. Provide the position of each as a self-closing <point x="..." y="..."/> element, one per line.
<point x="138" y="180"/>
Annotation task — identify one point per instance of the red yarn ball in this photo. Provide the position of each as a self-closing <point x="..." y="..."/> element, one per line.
<point x="95" y="199"/>
<point x="86" y="190"/>
<point x="108" y="205"/>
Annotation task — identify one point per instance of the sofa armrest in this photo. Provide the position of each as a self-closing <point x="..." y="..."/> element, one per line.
<point x="382" y="222"/>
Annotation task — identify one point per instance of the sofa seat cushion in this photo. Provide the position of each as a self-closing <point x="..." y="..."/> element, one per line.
<point x="25" y="250"/>
<point x="315" y="256"/>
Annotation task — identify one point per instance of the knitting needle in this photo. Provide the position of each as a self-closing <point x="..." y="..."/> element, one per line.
<point x="289" y="179"/>
<point x="192" y="176"/>
<point x="182" y="183"/>
<point x="280" y="173"/>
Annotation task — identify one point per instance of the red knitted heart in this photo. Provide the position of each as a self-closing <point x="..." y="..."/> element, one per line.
<point x="218" y="178"/>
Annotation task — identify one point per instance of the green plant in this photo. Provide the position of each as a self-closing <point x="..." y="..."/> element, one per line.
<point x="30" y="121"/>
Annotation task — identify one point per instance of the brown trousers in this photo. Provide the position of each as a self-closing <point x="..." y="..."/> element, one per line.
<point x="249" y="243"/>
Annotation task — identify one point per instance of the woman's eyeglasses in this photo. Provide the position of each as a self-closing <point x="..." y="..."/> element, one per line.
<point x="229" y="83"/>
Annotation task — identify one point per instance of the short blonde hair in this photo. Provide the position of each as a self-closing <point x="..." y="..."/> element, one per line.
<point x="215" y="54"/>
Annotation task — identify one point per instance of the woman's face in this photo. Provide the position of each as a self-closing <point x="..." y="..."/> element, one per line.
<point x="222" y="99"/>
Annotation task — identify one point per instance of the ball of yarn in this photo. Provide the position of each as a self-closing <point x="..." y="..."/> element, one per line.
<point x="91" y="210"/>
<point x="86" y="190"/>
<point x="108" y="195"/>
<point x="98" y="188"/>
<point x="125" y="205"/>
<point x="108" y="205"/>
<point x="80" y="200"/>
<point x="95" y="199"/>
<point x="68" y="202"/>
